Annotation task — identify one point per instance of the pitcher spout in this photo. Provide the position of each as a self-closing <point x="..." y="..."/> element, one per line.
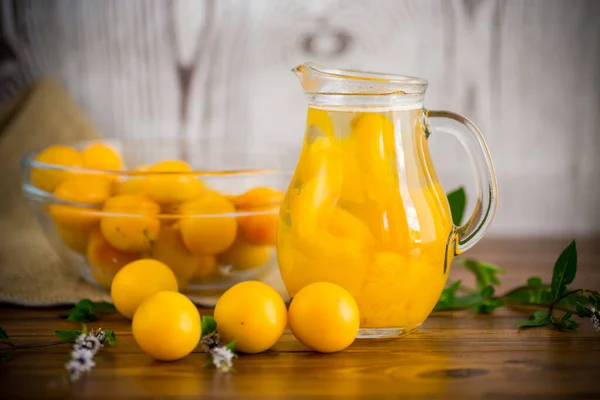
<point x="353" y="87"/>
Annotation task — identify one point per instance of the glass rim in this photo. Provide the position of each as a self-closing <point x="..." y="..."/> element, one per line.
<point x="28" y="161"/>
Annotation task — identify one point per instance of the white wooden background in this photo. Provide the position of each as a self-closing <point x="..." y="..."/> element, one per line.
<point x="526" y="71"/>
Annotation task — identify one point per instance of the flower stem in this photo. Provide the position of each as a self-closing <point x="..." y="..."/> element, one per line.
<point x="564" y="296"/>
<point x="534" y="304"/>
<point x="518" y="288"/>
<point x="12" y="346"/>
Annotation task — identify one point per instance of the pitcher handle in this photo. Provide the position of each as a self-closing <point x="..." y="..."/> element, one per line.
<point x="486" y="186"/>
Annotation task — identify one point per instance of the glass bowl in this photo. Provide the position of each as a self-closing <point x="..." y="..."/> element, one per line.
<point x="214" y="224"/>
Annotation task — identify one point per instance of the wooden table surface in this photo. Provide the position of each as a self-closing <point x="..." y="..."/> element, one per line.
<point x="455" y="355"/>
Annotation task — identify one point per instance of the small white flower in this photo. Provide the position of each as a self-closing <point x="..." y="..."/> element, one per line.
<point x="73" y="367"/>
<point x="87" y="365"/>
<point x="77" y="367"/>
<point x="82" y="355"/>
<point x="596" y="321"/>
<point x="89" y="341"/>
<point x="80" y="340"/>
<point x="222" y="358"/>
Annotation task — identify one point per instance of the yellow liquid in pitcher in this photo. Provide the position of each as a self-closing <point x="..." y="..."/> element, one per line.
<point x="365" y="211"/>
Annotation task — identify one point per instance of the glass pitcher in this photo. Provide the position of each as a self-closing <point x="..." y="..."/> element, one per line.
<point x="365" y="209"/>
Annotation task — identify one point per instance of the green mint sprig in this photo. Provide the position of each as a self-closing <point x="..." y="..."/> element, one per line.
<point x="555" y="296"/>
<point x="558" y="294"/>
<point x="481" y="299"/>
<point x="87" y="311"/>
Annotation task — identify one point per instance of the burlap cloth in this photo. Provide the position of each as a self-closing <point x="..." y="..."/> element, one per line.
<point x="31" y="272"/>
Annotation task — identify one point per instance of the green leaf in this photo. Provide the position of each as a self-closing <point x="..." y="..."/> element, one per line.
<point x="565" y="269"/>
<point x="104" y="307"/>
<point x="449" y="292"/>
<point x="571" y="325"/>
<point x="529" y="295"/>
<point x="459" y="303"/>
<point x="574" y="299"/>
<point x="487" y="306"/>
<point x="6" y="356"/>
<point x="565" y="322"/>
<point x="539" y="318"/>
<point x="457" y="199"/>
<point x="110" y="337"/>
<point x="208" y="363"/>
<point x="583" y="311"/>
<point x="209" y="325"/>
<point x="594" y="299"/>
<point x="85" y="303"/>
<point x="449" y="301"/>
<point x="528" y="323"/>
<point x="3" y="334"/>
<point x="84" y="328"/>
<point x="68" y="335"/>
<point x="488" y="291"/>
<point x="566" y="317"/>
<point x="534" y="281"/>
<point x="86" y="310"/>
<point x="485" y="273"/>
<point x="82" y="315"/>
<point x="231" y="345"/>
<point x="468" y="300"/>
<point x="83" y="312"/>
